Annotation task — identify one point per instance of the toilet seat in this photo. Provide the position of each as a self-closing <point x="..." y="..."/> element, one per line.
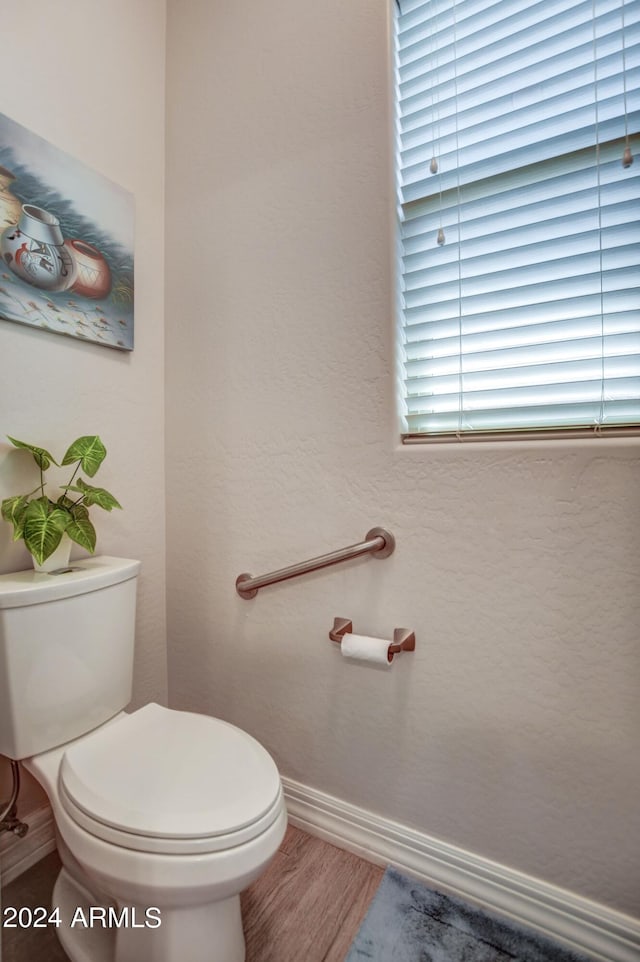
<point x="170" y="782"/>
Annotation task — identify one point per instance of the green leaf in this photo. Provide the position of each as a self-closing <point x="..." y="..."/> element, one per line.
<point x="44" y="524"/>
<point x="83" y="533"/>
<point x="89" y="450"/>
<point x="77" y="511"/>
<point x="42" y="457"/>
<point x="92" y="495"/>
<point x="13" y="511"/>
<point x="11" y="507"/>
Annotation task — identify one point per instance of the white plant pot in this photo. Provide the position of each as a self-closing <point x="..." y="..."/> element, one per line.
<point x="59" y="558"/>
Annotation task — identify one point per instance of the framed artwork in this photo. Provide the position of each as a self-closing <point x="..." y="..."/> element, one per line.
<point x="66" y="243"/>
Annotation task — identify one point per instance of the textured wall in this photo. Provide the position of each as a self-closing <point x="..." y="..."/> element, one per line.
<point x="512" y="731"/>
<point x="89" y="77"/>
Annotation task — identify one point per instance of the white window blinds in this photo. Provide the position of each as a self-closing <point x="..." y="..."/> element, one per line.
<point x="519" y="215"/>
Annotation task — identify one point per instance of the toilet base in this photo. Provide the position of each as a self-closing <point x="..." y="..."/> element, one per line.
<point x="202" y="933"/>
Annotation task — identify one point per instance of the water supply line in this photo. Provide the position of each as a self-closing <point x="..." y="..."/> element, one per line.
<point x="9" y="821"/>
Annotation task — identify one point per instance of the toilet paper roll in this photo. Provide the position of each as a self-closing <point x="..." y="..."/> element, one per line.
<point x="364" y="648"/>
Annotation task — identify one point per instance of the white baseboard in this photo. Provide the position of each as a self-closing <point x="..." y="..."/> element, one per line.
<point x="579" y="923"/>
<point x="576" y="922"/>
<point x="19" y="854"/>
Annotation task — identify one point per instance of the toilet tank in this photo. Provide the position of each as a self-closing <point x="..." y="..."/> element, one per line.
<point x="66" y="652"/>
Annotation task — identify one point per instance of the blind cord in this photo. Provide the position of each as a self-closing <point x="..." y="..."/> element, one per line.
<point x="600" y="419"/>
<point x="627" y="156"/>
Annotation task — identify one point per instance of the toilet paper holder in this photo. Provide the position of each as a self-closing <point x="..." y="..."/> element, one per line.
<point x="403" y="638"/>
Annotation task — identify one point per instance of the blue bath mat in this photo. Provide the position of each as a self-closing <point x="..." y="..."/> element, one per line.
<point x="408" y="922"/>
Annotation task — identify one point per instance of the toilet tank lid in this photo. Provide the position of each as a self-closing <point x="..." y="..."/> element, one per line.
<point x="23" y="588"/>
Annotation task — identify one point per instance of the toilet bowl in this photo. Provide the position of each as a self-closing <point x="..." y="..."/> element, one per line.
<point x="166" y="811"/>
<point x="162" y="817"/>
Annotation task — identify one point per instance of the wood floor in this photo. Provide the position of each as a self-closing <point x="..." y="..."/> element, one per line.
<point x="309" y="903"/>
<point x="306" y="907"/>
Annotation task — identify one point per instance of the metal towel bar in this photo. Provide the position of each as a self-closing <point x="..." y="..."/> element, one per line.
<point x="378" y="542"/>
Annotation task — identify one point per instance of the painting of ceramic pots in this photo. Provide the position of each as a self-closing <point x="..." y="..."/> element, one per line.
<point x="66" y="243"/>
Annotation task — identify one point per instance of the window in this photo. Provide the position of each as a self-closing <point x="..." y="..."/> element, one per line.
<point x="519" y="211"/>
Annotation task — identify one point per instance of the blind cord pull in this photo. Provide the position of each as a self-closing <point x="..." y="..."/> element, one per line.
<point x="627" y="156"/>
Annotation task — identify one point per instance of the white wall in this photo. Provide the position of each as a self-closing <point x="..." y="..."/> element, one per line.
<point x="512" y="731"/>
<point x="89" y="77"/>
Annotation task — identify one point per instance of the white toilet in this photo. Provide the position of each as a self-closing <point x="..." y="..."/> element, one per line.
<point x="162" y="817"/>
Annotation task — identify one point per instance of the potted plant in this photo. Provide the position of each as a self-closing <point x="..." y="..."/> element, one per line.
<point x="40" y="521"/>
